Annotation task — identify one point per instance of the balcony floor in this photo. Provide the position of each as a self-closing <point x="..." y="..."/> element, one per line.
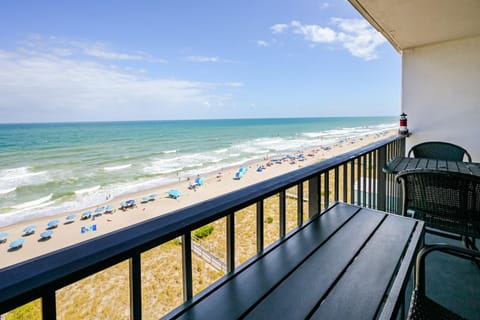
<point x="451" y="281"/>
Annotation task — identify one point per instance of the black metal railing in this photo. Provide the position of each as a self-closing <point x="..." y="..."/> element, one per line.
<point x="355" y="177"/>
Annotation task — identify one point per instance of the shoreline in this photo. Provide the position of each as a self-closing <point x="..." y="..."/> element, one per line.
<point x="67" y="234"/>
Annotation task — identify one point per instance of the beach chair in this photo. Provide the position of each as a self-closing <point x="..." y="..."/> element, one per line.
<point x="439" y="150"/>
<point x="17" y="244"/>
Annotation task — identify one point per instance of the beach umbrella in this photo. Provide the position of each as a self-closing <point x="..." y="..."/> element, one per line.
<point x="109" y="209"/>
<point x="71" y="217"/>
<point x="131" y="203"/>
<point x="100" y="210"/>
<point x="29" y="230"/>
<point x="17" y="243"/>
<point x="3" y="236"/>
<point x="152" y="196"/>
<point x="53" y="224"/>
<point x="86" y="214"/>
<point x="46" y="234"/>
<point x="174" y="193"/>
<point x="199" y="181"/>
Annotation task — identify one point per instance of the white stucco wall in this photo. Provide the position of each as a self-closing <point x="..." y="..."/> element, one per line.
<point x="441" y="93"/>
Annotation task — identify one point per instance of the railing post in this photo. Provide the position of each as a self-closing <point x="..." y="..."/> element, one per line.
<point x="283" y="213"/>
<point x="135" y="269"/>
<point x="49" y="308"/>
<point x="187" y="266"/>
<point x="313" y="196"/>
<point x="230" y="242"/>
<point x="381" y="178"/>
<point x="326" y="189"/>
<point x="335" y="184"/>
<point x="260" y="226"/>
<point x="300" y="204"/>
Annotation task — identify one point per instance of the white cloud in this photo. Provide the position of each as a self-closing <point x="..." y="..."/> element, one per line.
<point x="314" y="33"/>
<point x="355" y="35"/>
<point x="279" y="28"/>
<point x="39" y="85"/>
<point x="358" y="37"/>
<point x="262" y="43"/>
<point x="202" y="59"/>
<point x="65" y="47"/>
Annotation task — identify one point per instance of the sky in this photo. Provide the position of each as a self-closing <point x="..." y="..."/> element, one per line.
<point x="90" y="60"/>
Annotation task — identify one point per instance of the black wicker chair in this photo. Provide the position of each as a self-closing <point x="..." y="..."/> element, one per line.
<point x="446" y="201"/>
<point x="421" y="306"/>
<point x="439" y="150"/>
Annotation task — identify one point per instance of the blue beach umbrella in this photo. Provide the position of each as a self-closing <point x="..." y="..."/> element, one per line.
<point x="29" y="230"/>
<point x="3" y="236"/>
<point x="71" y="217"/>
<point x="199" y="180"/>
<point x="86" y="215"/>
<point x="17" y="243"/>
<point x="145" y="199"/>
<point x="174" y="193"/>
<point x="53" y="224"/>
<point x="152" y="196"/>
<point x="46" y="234"/>
<point x="131" y="203"/>
<point x="100" y="210"/>
<point x="109" y="209"/>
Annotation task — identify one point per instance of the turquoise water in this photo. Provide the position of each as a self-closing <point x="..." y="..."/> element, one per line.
<point x="52" y="168"/>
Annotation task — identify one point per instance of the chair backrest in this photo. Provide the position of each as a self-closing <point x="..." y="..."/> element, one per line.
<point x="439" y="150"/>
<point x="444" y="200"/>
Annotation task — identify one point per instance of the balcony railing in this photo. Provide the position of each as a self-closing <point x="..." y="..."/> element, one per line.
<point x="355" y="177"/>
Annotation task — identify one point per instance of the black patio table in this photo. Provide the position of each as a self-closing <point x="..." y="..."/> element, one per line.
<point x="403" y="163"/>
<point x="348" y="262"/>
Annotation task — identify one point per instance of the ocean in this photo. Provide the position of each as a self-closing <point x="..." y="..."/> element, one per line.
<point x="48" y="169"/>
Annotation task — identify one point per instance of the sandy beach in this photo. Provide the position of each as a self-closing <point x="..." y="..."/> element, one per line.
<point x="66" y="234"/>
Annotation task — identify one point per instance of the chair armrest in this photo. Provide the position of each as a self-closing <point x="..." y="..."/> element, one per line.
<point x="448" y="249"/>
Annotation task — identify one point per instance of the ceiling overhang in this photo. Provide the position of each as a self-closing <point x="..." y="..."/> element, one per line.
<point x="414" y="23"/>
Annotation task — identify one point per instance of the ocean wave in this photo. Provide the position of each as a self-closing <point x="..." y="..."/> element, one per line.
<point x="86" y="190"/>
<point x="115" y="168"/>
<point x="18" y="176"/>
<point x="34" y="204"/>
<point x="169" y="151"/>
<point x="5" y="191"/>
<point x="221" y="150"/>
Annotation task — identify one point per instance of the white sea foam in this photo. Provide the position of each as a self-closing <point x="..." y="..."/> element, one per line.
<point x="34" y="204"/>
<point x="115" y="168"/>
<point x="169" y="151"/>
<point x="22" y="176"/>
<point x="221" y="150"/>
<point x="86" y="190"/>
<point x="5" y="191"/>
